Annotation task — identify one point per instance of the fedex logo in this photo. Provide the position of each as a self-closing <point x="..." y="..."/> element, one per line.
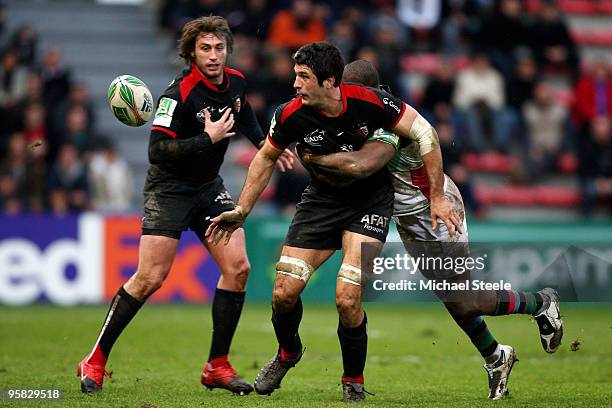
<point x="48" y="258"/>
<point x="74" y="260"/>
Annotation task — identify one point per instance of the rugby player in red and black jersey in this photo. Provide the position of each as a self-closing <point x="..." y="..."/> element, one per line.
<point x="422" y="235"/>
<point x="190" y="134"/>
<point x="328" y="117"/>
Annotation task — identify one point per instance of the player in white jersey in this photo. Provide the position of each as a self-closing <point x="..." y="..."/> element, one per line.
<point x="419" y="230"/>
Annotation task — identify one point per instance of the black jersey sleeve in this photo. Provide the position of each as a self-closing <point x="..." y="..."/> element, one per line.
<point x="164" y="146"/>
<point x="249" y="126"/>
<point x="392" y="109"/>
<point x="278" y="135"/>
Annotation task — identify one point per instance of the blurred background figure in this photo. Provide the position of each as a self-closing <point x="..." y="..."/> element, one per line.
<point x="111" y="180"/>
<point x="67" y="182"/>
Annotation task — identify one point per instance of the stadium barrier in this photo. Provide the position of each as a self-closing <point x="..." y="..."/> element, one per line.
<point x="83" y="259"/>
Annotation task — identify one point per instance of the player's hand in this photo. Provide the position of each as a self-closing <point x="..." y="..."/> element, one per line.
<point x="285" y="160"/>
<point x="441" y="208"/>
<point x="224" y="225"/>
<point x="220" y="129"/>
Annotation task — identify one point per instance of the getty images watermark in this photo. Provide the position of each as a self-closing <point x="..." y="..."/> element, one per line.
<point x="414" y="272"/>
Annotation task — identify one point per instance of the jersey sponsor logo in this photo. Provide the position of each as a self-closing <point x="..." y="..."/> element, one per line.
<point x="215" y="113"/>
<point x="392" y="104"/>
<point x="346" y="148"/>
<point x="224" y="198"/>
<point x="314" y="138"/>
<point x="165" y="110"/>
<point x="374" y="222"/>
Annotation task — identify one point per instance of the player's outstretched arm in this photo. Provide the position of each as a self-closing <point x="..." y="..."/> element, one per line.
<point x="413" y="126"/>
<point x="373" y="156"/>
<point x="259" y="174"/>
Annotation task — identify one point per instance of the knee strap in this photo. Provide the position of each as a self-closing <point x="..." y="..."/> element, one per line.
<point x="350" y="274"/>
<point x="294" y="267"/>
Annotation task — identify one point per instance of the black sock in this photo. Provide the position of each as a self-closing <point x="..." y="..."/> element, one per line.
<point x="226" y="309"/>
<point x="286" y="325"/>
<point x="354" y="345"/>
<point x="122" y="309"/>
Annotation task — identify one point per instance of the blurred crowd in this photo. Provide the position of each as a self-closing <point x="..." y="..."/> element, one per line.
<point x="501" y="80"/>
<point x="495" y="77"/>
<point x="51" y="158"/>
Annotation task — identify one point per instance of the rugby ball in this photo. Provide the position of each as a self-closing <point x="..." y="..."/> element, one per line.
<point x="130" y="100"/>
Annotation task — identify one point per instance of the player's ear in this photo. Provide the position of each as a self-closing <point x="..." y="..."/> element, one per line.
<point x="329" y="83"/>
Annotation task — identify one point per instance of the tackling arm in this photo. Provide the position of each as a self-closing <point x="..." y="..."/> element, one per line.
<point x="372" y="157"/>
<point x="413" y="126"/>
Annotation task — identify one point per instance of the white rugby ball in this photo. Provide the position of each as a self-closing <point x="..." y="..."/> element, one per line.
<point x="130" y="100"/>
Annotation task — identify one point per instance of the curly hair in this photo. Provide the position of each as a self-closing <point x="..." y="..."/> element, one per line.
<point x="215" y="25"/>
<point x="323" y="58"/>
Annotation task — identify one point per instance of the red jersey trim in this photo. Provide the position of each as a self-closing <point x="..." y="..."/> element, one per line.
<point x="190" y="81"/>
<point x="420" y="180"/>
<point x="234" y="72"/>
<point x="291" y="107"/>
<point x="165" y="130"/>
<point x="399" y="116"/>
<point x="359" y="92"/>
<point x="274" y="144"/>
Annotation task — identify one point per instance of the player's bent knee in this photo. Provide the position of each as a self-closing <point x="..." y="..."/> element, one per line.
<point x="294" y="268"/>
<point x="350" y="274"/>
<point x="238" y="272"/>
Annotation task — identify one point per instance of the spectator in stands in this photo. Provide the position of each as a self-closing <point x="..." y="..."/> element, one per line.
<point x="296" y="26"/>
<point x="25" y="42"/>
<point x="78" y="97"/>
<point x="344" y="36"/>
<point x="34" y="127"/>
<point x="279" y="88"/>
<point x="480" y="97"/>
<point x="437" y="97"/>
<point x="552" y="41"/>
<point x="77" y="129"/>
<point x="251" y="19"/>
<point x="111" y="180"/>
<point x="592" y="97"/>
<point x="9" y="200"/>
<point x="14" y="164"/>
<point x="13" y="86"/>
<point x="595" y="166"/>
<point x="389" y="38"/>
<point x="502" y="33"/>
<point x="419" y="14"/>
<point x="56" y="80"/>
<point x="67" y="182"/>
<point x="546" y="121"/>
<point x="520" y="90"/>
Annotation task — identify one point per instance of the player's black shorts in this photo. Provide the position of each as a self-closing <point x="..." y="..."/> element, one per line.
<point x="321" y="218"/>
<point x="170" y="209"/>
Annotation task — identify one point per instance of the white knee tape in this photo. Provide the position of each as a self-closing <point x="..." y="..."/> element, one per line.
<point x="350" y="274"/>
<point x="294" y="267"/>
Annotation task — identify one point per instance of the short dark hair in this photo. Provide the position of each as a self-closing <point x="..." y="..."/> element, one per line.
<point x="215" y="25"/>
<point x="361" y="72"/>
<point x="323" y="58"/>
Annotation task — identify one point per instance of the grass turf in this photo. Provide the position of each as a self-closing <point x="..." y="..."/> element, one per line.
<point x="417" y="357"/>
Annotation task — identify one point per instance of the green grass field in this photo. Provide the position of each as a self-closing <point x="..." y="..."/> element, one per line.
<point x="417" y="357"/>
